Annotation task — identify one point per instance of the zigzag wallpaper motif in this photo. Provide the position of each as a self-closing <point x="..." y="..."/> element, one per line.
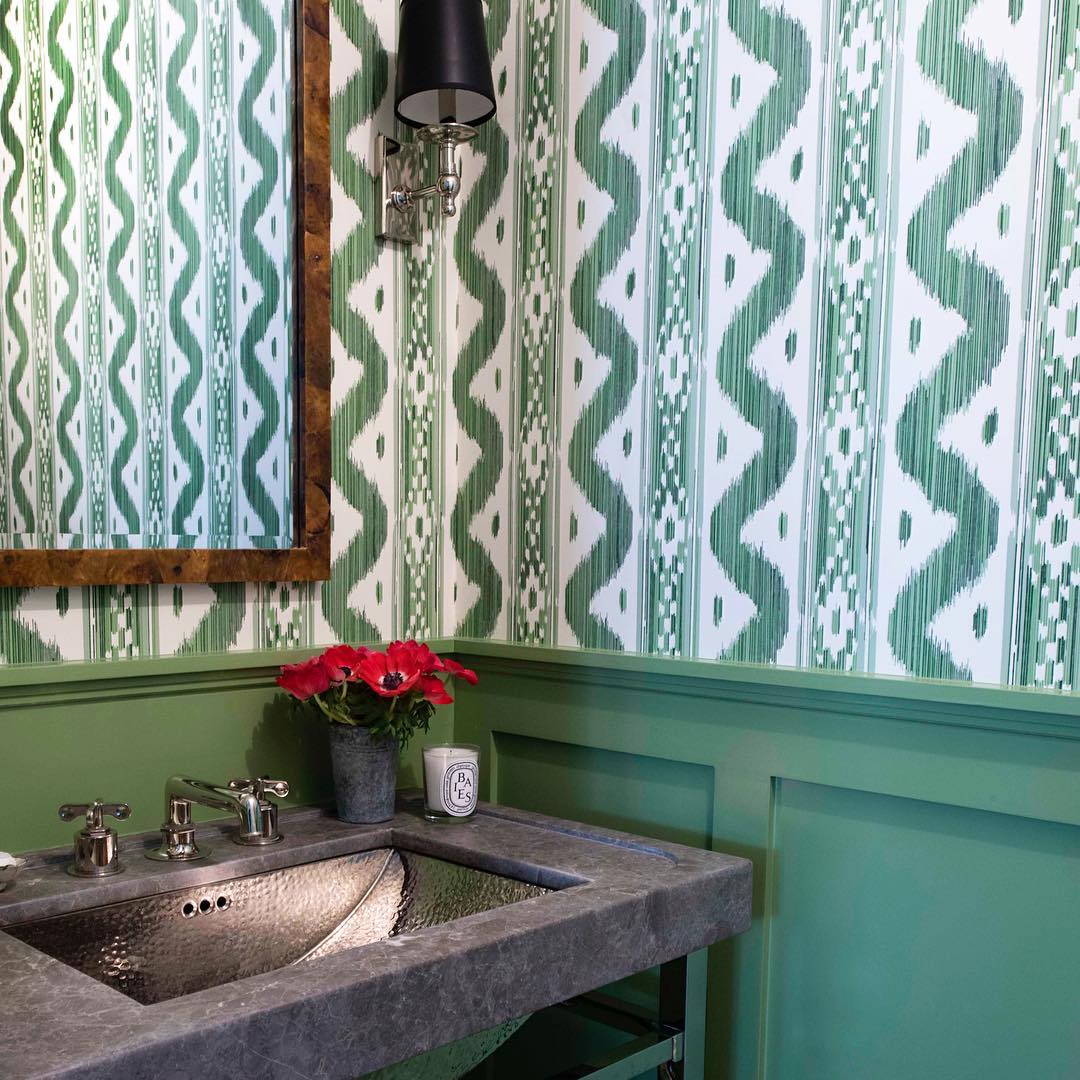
<point x="755" y="338"/>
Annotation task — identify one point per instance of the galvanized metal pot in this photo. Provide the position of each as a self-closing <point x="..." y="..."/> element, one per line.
<point x="365" y="774"/>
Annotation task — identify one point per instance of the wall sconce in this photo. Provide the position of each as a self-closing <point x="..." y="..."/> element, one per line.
<point x="444" y="90"/>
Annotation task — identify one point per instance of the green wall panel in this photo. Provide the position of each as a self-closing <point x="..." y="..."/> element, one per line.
<point x="916" y="843"/>
<point x="915" y="847"/>
<point x="606" y="788"/>
<point x="912" y="939"/>
<point x="583" y="748"/>
<point x="113" y="746"/>
<point x="117" y="732"/>
<point x="669" y="800"/>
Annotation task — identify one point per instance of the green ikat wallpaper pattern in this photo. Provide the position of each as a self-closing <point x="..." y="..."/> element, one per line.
<point x="755" y="338"/>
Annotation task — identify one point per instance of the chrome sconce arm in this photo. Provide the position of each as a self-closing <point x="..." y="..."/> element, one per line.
<point x="443" y="89"/>
<point x="398" y="181"/>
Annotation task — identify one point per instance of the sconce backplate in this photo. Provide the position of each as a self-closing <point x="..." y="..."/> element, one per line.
<point x="397" y="166"/>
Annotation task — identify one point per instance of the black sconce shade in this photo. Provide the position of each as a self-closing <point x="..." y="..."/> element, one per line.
<point x="443" y="67"/>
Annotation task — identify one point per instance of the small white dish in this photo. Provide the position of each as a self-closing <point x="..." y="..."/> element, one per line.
<point x="9" y="869"/>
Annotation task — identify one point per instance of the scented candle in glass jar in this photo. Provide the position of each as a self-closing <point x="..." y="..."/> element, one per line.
<point x="451" y="777"/>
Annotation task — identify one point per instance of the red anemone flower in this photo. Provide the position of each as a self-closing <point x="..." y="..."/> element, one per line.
<point x="434" y="690"/>
<point x="343" y="661"/>
<point x="398" y="670"/>
<point x="452" y="667"/>
<point x="421" y="655"/>
<point x="306" y="679"/>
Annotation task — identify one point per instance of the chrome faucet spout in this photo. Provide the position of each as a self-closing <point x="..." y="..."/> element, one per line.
<point x="247" y="799"/>
<point x="182" y="791"/>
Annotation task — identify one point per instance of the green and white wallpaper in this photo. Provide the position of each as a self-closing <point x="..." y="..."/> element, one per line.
<point x="755" y="338"/>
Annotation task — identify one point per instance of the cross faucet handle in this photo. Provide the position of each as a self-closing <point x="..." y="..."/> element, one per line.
<point x="95" y="812"/>
<point x="261" y="786"/>
<point x="96" y="851"/>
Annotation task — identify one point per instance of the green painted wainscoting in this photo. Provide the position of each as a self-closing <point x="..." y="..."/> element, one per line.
<point x="917" y="844"/>
<point x="916" y="847"/>
<point x="117" y="729"/>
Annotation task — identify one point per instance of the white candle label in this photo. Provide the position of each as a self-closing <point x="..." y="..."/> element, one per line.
<point x="459" y="788"/>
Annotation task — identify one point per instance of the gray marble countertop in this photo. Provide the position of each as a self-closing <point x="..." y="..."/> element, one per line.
<point x="620" y="904"/>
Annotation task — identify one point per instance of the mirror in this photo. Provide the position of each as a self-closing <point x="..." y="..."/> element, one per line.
<point x="164" y="292"/>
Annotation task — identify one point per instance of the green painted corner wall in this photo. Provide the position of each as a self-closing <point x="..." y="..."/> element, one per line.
<point x="916" y="843"/>
<point x="916" y="848"/>
<point x="80" y="731"/>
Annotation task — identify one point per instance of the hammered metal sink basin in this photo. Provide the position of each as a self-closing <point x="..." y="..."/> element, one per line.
<point x="165" y="946"/>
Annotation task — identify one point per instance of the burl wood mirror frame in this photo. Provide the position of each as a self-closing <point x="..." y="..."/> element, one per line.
<point x="309" y="559"/>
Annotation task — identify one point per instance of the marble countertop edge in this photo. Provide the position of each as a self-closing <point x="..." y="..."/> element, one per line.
<point x="621" y="904"/>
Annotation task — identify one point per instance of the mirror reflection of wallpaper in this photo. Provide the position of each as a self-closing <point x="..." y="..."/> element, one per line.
<point x="145" y="353"/>
<point x="755" y="339"/>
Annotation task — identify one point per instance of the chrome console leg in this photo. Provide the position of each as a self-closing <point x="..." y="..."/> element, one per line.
<point x="671" y="1041"/>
